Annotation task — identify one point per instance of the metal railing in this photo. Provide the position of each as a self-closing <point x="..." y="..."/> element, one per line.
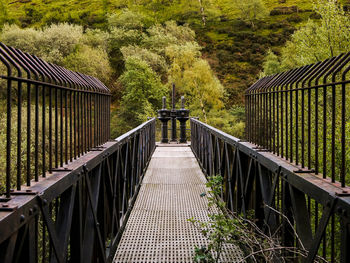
<point x="260" y="182"/>
<point x="67" y="188"/>
<point x="78" y="215"/>
<point x="50" y="116"/>
<point x="302" y="115"/>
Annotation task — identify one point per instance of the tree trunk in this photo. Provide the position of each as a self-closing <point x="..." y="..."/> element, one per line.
<point x="203" y="110"/>
<point x="202" y="12"/>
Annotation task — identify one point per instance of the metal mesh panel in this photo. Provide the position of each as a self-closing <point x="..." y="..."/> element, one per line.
<point x="158" y="230"/>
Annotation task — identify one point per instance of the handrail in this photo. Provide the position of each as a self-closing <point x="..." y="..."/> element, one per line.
<point x="302" y="115"/>
<point x="78" y="213"/>
<point x="53" y="116"/>
<point x="259" y="183"/>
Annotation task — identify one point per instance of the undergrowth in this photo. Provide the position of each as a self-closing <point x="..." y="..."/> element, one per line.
<point x="227" y="228"/>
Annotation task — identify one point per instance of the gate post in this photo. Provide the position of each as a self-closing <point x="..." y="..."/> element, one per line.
<point x="164" y="117"/>
<point x="183" y="116"/>
<point x="173" y="118"/>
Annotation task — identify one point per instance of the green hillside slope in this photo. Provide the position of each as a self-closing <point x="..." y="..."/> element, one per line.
<point x="233" y="48"/>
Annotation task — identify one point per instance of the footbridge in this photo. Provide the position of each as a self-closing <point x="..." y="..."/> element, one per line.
<point x="70" y="193"/>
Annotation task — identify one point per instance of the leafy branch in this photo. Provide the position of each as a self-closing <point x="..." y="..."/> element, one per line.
<point x="226" y="227"/>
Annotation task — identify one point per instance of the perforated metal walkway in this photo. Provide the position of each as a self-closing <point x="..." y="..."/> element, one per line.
<point x="157" y="229"/>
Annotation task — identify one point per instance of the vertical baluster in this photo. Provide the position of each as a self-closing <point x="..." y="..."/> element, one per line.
<point x="66" y="125"/>
<point x="71" y="154"/>
<point x="19" y="135"/>
<point x="8" y="134"/>
<point x="56" y="128"/>
<point x="78" y="124"/>
<point x="43" y="131"/>
<point x="343" y="128"/>
<point x="309" y="127"/>
<point x="29" y="133"/>
<point x="333" y="124"/>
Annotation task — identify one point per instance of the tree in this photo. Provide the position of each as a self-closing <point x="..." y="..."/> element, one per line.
<point x="319" y="40"/>
<point x="25" y="39"/>
<point x="160" y="11"/>
<point x="126" y="19"/>
<point x="250" y="10"/>
<point x="160" y="37"/>
<point x="118" y="38"/>
<point x="271" y="64"/>
<point x="155" y="61"/>
<point x="203" y="88"/>
<point x="65" y="45"/>
<point x="96" y="38"/>
<point x="91" y="61"/>
<point x="52" y="43"/>
<point x="182" y="57"/>
<point x="143" y="92"/>
<point x="195" y="79"/>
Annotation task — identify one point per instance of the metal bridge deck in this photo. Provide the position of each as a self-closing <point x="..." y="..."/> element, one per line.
<point x="157" y="229"/>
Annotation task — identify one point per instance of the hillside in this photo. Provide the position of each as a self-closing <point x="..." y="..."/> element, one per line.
<point x="233" y="48"/>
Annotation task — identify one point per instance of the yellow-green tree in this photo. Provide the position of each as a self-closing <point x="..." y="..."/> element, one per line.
<point x="319" y="40"/>
<point x="143" y="92"/>
<point x="271" y="64"/>
<point x="247" y="10"/>
<point x="63" y="44"/>
<point x="195" y="79"/>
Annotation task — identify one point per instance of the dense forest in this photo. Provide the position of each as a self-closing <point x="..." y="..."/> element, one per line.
<point x="212" y="50"/>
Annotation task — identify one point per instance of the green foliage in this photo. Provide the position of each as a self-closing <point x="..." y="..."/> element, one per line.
<point x="155" y="61"/>
<point x="219" y="229"/>
<point x="183" y="56"/>
<point x="96" y="38"/>
<point x="3" y="13"/>
<point x="126" y="19"/>
<point x="159" y="37"/>
<point x="230" y="121"/>
<point x="65" y="45"/>
<point x="250" y="10"/>
<point x="15" y="163"/>
<point x="143" y="92"/>
<point x="160" y="11"/>
<point x="315" y="41"/>
<point x="118" y="38"/>
<point x="25" y="39"/>
<point x="203" y="91"/>
<point x="195" y="79"/>
<point x="202" y="255"/>
<point x="202" y="88"/>
<point x="319" y="40"/>
<point x="234" y="50"/>
<point x="224" y="30"/>
<point x="271" y="64"/>
<point x="52" y="43"/>
<point x="157" y="57"/>
<point x="229" y="228"/>
<point x="91" y="61"/>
